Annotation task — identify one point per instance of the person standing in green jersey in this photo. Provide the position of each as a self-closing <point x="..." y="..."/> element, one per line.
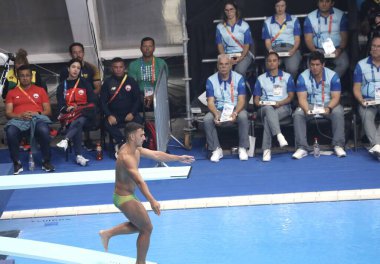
<point x="145" y="70"/>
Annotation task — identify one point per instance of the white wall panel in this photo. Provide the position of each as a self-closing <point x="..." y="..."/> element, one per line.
<point x="124" y="23"/>
<point x="39" y="26"/>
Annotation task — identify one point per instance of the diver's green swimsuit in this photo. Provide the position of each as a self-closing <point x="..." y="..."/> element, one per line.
<point x="118" y="200"/>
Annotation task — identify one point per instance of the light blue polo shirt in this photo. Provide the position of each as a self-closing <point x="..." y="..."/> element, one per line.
<point x="265" y="84"/>
<point x="319" y="26"/>
<point x="221" y="90"/>
<point x="240" y="31"/>
<point x="307" y="83"/>
<point x="271" y="27"/>
<point x="368" y="75"/>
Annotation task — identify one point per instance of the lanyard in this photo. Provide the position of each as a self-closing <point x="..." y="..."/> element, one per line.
<point x="330" y="24"/>
<point x="118" y="89"/>
<point x="312" y="80"/>
<point x="319" y="26"/>
<point x="283" y="27"/>
<point x="323" y="92"/>
<point x="28" y="96"/>
<point x="144" y="70"/>
<point x="72" y="93"/>
<point x="273" y="80"/>
<point x="373" y="73"/>
<point x="232" y="36"/>
<point x="373" y="77"/>
<point x="231" y="90"/>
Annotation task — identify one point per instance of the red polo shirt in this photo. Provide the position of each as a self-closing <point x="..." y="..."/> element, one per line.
<point x="22" y="103"/>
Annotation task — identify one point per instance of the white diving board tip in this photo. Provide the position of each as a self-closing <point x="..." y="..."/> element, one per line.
<point x="59" y="253"/>
<point x="28" y="181"/>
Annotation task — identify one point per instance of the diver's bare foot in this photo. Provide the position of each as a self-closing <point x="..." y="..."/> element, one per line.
<point x="105" y="238"/>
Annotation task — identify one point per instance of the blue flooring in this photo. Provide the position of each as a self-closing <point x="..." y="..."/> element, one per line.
<point x="229" y="177"/>
<point x="328" y="233"/>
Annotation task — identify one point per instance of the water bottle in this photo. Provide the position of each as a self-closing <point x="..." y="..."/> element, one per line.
<point x="31" y="161"/>
<point x="99" y="152"/>
<point x="317" y="150"/>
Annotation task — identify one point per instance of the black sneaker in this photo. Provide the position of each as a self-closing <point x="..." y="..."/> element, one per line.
<point x="47" y="166"/>
<point x="89" y="146"/>
<point x="17" y="168"/>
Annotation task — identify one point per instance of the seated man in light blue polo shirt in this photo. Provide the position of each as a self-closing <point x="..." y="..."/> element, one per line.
<point x="318" y="90"/>
<point x="326" y="28"/>
<point x="274" y="91"/>
<point x="367" y="92"/>
<point x="225" y="92"/>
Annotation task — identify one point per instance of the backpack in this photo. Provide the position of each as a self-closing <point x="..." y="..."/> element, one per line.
<point x="150" y="135"/>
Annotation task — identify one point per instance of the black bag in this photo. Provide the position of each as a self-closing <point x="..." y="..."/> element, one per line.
<point x="150" y="135"/>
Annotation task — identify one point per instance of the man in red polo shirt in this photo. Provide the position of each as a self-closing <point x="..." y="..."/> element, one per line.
<point x="27" y="107"/>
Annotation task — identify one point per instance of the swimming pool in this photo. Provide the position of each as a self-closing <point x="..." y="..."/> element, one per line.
<point x="330" y="232"/>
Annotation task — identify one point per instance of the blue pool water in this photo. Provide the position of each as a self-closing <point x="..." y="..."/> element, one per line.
<point x="333" y="232"/>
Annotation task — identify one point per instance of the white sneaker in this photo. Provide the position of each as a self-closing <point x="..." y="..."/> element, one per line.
<point x="63" y="144"/>
<point x="375" y="149"/>
<point x="216" y="155"/>
<point x="299" y="154"/>
<point x="281" y="139"/>
<point x="243" y="155"/>
<point x="82" y="160"/>
<point x="339" y="151"/>
<point x="267" y="155"/>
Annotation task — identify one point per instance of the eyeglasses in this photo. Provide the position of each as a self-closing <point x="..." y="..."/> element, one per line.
<point x="229" y="10"/>
<point x="375" y="46"/>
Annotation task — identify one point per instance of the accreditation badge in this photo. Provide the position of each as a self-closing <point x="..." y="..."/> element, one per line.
<point x="377" y="91"/>
<point x="148" y="91"/>
<point x="277" y="90"/>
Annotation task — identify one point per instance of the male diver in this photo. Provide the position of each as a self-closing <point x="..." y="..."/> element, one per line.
<point x="127" y="178"/>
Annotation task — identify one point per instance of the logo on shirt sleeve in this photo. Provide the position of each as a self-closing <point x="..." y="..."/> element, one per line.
<point x="128" y="88"/>
<point x="36" y="95"/>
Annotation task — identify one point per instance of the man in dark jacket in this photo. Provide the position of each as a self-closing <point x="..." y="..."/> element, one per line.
<point x="120" y="101"/>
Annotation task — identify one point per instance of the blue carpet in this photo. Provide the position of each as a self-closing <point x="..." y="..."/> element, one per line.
<point x="229" y="177"/>
<point x="5" y="168"/>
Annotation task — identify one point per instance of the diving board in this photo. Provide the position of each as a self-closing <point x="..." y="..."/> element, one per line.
<point x="59" y="253"/>
<point x="27" y="181"/>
